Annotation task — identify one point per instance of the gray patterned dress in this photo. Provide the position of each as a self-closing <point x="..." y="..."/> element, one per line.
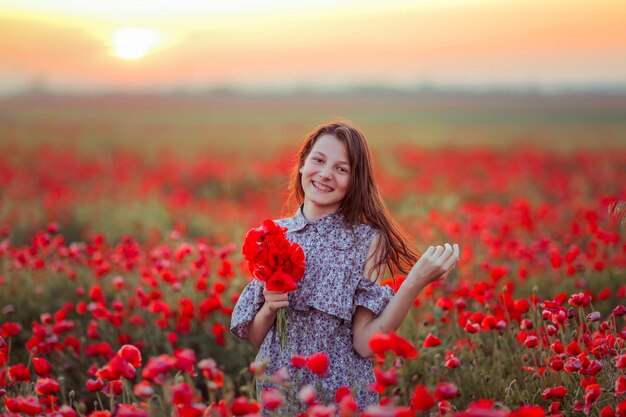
<point x="321" y="308"/>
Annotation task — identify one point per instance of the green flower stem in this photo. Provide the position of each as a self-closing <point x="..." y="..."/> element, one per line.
<point x="281" y="326"/>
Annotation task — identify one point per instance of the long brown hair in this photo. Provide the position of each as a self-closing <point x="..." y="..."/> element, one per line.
<point x="363" y="202"/>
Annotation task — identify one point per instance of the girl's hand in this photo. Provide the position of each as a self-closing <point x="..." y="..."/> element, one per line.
<point x="435" y="264"/>
<point x="275" y="300"/>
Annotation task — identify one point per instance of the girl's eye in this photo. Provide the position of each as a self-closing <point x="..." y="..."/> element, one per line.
<point x="317" y="159"/>
<point x="343" y="170"/>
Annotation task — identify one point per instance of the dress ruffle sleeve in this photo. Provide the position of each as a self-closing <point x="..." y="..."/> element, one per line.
<point x="372" y="296"/>
<point x="250" y="302"/>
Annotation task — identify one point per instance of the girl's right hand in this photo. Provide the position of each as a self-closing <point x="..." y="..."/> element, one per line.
<point x="435" y="264"/>
<point x="275" y="300"/>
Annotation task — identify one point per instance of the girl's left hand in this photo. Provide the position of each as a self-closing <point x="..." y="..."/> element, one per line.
<point x="435" y="264"/>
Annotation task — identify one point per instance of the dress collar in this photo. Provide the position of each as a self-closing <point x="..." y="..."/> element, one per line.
<point x="323" y="224"/>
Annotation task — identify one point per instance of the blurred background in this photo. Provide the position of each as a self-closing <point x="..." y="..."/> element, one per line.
<point x="215" y="92"/>
<point x="75" y="46"/>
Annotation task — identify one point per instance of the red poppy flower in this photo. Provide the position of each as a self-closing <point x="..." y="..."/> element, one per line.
<point x="214" y="376"/>
<point x="281" y="282"/>
<point x="573" y="364"/>
<point x="592" y="368"/>
<point x="557" y="347"/>
<point x="218" y="331"/>
<point x="130" y="354"/>
<point x="620" y="386"/>
<point x="347" y="405"/>
<point x="46" y="386"/>
<point x="114" y="388"/>
<point x="156" y="368"/>
<point x="531" y="341"/>
<point x="116" y="368"/>
<point x="528" y="411"/>
<point x="130" y="410"/>
<point x="190" y="410"/>
<point x="402" y="347"/>
<point x="421" y="400"/>
<point x="42" y="367"/>
<point x="30" y="405"/>
<point x="184" y="360"/>
<point x="241" y="406"/>
<point x="181" y="393"/>
<point x="94" y="385"/>
<point x="431" y="341"/>
<point x="298" y="361"/>
<point x="446" y="391"/>
<point x="555" y="362"/>
<point x="554" y="392"/>
<point x="13" y="404"/>
<point x="573" y="349"/>
<point x="10" y="329"/>
<point x="472" y="327"/>
<point x="579" y="300"/>
<point x="380" y="343"/>
<point x="143" y="389"/>
<point x="385" y="378"/>
<point x="342" y="392"/>
<point x="100" y="413"/>
<point x="592" y="394"/>
<point x="19" y="373"/>
<point x="318" y="363"/>
<point x="67" y="411"/>
<point x="451" y="361"/>
<point x="607" y="412"/>
<point x="307" y="394"/>
<point x="498" y="272"/>
<point x="272" y="399"/>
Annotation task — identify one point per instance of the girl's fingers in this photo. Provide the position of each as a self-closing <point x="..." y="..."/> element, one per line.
<point x="274" y="306"/>
<point x="278" y="298"/>
<point x="429" y="251"/>
<point x="449" y="263"/>
<point x="275" y="295"/>
<point x="447" y="252"/>
<point x="438" y="251"/>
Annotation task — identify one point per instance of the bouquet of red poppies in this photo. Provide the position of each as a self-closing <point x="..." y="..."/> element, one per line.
<point x="276" y="261"/>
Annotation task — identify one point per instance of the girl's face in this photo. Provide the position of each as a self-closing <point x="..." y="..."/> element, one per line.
<point x="325" y="176"/>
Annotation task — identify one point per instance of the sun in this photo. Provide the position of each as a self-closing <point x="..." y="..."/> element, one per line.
<point x="134" y="43"/>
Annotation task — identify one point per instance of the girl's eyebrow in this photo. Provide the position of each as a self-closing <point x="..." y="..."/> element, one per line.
<point x="322" y="154"/>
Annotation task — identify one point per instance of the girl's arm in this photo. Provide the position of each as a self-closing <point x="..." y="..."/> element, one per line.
<point x="433" y="265"/>
<point x="264" y="319"/>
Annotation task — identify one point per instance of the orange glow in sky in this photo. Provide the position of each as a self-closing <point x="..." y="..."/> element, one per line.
<point x="73" y="43"/>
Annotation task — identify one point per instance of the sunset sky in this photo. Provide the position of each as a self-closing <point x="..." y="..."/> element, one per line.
<point x="77" y="45"/>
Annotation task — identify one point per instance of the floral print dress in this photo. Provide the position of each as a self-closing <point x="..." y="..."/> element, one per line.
<point x="320" y="310"/>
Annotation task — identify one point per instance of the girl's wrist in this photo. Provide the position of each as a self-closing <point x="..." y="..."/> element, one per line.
<point x="415" y="284"/>
<point x="267" y="312"/>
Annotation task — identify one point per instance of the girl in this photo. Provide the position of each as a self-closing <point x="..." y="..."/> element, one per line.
<point x="348" y="237"/>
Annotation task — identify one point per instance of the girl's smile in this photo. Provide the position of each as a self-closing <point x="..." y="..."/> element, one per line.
<point x="322" y="187"/>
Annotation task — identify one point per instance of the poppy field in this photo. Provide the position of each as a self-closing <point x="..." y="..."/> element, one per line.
<point x="120" y="259"/>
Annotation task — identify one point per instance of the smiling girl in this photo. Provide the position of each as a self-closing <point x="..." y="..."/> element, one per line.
<point x="350" y="240"/>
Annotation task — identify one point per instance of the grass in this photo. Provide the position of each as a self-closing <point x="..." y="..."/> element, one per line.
<point x="227" y="125"/>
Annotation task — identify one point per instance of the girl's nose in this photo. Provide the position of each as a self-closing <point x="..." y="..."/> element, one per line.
<point x="324" y="172"/>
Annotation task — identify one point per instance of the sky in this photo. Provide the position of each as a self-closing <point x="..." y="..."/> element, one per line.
<point x="92" y="45"/>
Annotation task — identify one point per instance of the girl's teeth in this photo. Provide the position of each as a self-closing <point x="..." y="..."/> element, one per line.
<point x="321" y="187"/>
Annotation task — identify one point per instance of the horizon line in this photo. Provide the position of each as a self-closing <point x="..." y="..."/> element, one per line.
<point x="313" y="89"/>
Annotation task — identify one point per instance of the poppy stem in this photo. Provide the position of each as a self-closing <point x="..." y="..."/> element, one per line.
<point x="281" y="326"/>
